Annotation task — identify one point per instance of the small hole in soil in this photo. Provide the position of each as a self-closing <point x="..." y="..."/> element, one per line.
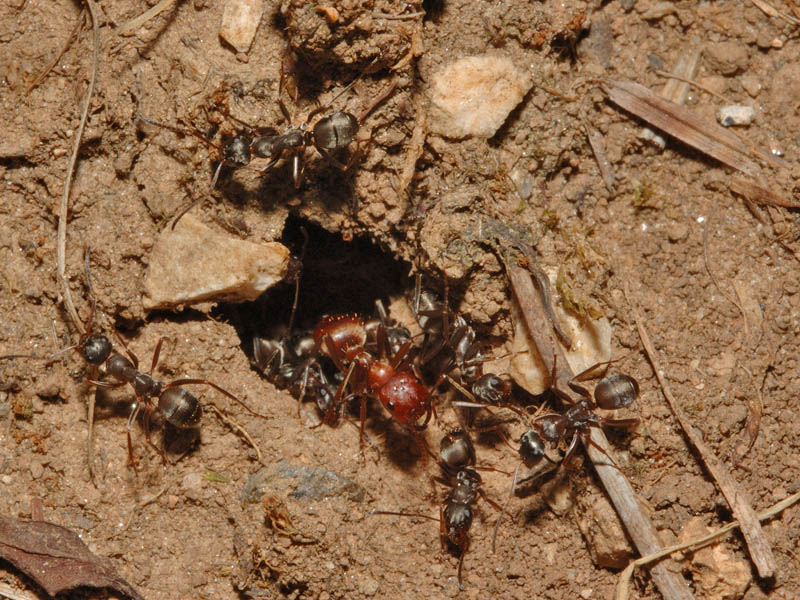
<point x="337" y="277"/>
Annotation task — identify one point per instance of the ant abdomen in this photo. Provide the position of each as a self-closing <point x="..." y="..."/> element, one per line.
<point x="616" y="391"/>
<point x="180" y="408"/>
<point x="335" y="132"/>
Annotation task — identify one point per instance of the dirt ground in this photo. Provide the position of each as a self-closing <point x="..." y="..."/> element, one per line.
<point x="716" y="279"/>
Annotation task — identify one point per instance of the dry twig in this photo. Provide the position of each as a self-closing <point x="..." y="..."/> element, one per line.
<point x="41" y="76"/>
<point x="136" y="22"/>
<point x="235" y="426"/>
<point x="624" y="582"/>
<point x="637" y="522"/>
<point x="760" y="552"/>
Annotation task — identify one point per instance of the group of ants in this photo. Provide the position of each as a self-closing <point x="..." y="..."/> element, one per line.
<point x="347" y="357"/>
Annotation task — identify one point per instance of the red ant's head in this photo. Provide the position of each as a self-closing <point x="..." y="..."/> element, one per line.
<point x="405" y="397"/>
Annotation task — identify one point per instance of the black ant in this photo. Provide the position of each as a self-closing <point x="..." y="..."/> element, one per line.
<point x="330" y="135"/>
<point x="296" y="366"/>
<point x="456" y="513"/>
<point x="177" y="405"/>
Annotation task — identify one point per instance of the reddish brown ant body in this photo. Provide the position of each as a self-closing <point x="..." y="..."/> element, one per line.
<point x="345" y="339"/>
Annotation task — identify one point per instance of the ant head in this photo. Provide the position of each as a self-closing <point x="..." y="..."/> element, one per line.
<point x="237" y="152"/>
<point x="531" y="448"/>
<point x="95" y="349"/>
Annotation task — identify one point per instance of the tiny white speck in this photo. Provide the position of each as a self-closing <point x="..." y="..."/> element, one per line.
<point x="644" y="226"/>
<point x="701" y="219"/>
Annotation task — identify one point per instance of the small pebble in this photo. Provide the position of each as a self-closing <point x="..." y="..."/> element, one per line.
<point x="193" y="264"/>
<point x="6" y="479"/>
<point x="240" y="20"/>
<point x="727" y="57"/>
<point x="37" y="470"/>
<point x="736" y="115"/>
<point x="473" y="96"/>
<point x="677" y="232"/>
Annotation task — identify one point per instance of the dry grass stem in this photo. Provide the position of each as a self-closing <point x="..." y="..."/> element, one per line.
<point x="137" y="22"/>
<point x="623" y="585"/>
<point x="760" y="552"/>
<point x="637" y="523"/>
<point x="682" y="123"/>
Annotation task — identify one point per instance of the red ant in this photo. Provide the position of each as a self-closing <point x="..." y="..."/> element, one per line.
<point x="345" y="339"/>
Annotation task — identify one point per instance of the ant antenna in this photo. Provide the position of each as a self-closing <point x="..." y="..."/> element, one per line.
<point x="297" y="277"/>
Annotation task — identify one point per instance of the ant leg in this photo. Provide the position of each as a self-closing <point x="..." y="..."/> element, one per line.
<point x="130" y="354"/>
<point x="146" y="423"/>
<point x="573" y="446"/>
<point x="129" y="427"/>
<point x="156" y="352"/>
<point x="298" y="168"/>
<point x="423" y="449"/>
<point x="464" y="549"/>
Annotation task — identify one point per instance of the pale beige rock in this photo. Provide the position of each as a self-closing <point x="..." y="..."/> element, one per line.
<point x="240" y="20"/>
<point x="473" y="96"/>
<point x="591" y="344"/>
<point x="716" y="572"/>
<point x="194" y="264"/>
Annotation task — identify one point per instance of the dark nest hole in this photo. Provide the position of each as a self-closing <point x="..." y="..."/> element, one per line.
<point x="336" y="277"/>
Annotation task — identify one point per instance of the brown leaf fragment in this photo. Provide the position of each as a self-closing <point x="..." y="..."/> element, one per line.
<point x="56" y="558"/>
<point x="680" y="122"/>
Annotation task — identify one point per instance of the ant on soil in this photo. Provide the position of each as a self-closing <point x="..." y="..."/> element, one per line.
<point x="456" y="512"/>
<point x="376" y="364"/>
<point x="330" y="136"/>
<point x="178" y="406"/>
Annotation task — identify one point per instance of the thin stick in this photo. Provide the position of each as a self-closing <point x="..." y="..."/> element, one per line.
<point x="143" y="18"/>
<point x="737" y="499"/>
<point x="714" y="278"/>
<point x="62" y="217"/>
<point x="692" y="83"/>
<point x="624" y="582"/>
<point x="637" y="522"/>
<point x="234" y="425"/>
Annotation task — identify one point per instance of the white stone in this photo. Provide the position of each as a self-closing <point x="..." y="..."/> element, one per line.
<point x="736" y="115"/>
<point x="194" y="264"/>
<point x="240" y="20"/>
<point x="591" y="344"/>
<point x="473" y="96"/>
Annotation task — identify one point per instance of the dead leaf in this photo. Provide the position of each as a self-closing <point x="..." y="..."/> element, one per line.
<point x="56" y="558"/>
<point x="684" y="124"/>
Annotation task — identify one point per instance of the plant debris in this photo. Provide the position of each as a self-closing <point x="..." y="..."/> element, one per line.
<point x="56" y="558"/>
